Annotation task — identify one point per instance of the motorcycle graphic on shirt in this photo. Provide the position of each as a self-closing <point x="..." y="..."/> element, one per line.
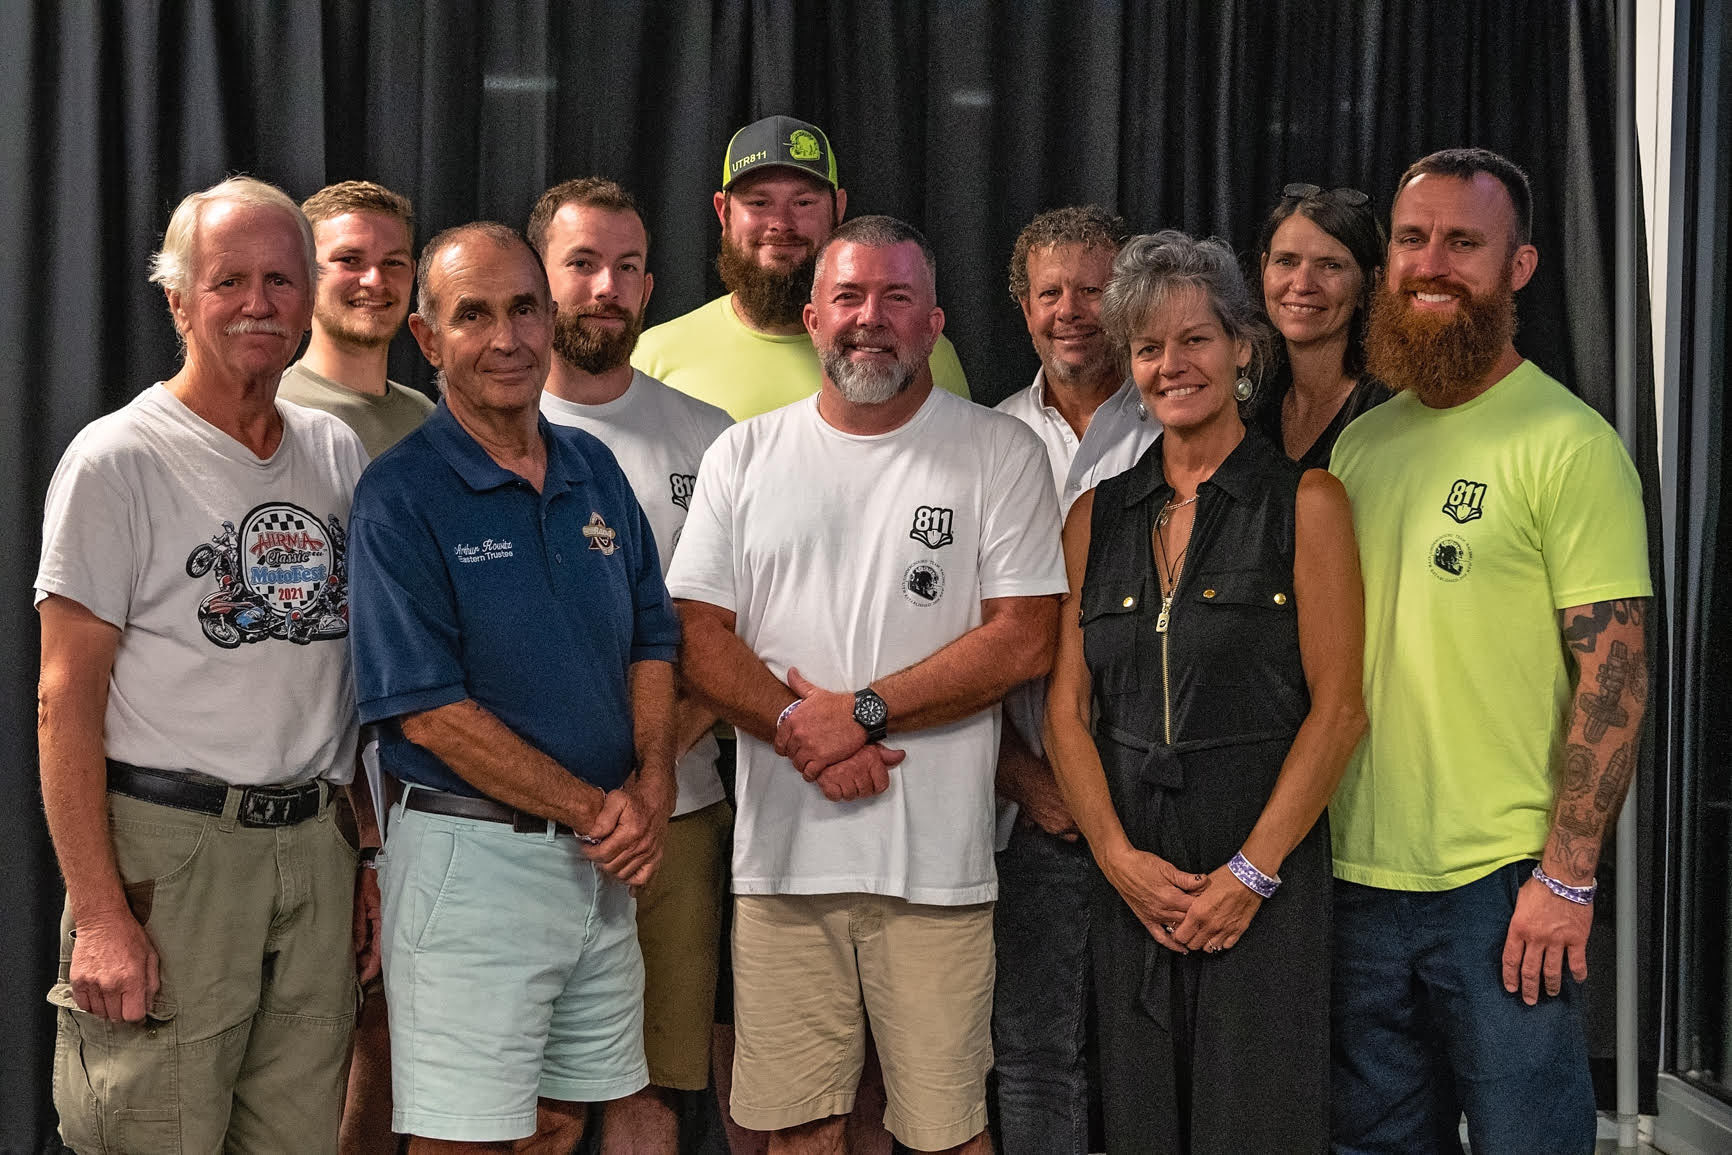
<point x="282" y="575"/>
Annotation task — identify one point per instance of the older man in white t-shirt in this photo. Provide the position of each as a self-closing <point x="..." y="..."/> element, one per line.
<point x="875" y="564"/>
<point x="198" y="714"/>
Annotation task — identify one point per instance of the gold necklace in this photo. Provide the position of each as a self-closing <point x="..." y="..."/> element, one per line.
<point x="1171" y="507"/>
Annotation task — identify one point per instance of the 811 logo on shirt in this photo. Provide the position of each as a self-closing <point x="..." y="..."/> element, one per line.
<point x="932" y="526"/>
<point x="1464" y="501"/>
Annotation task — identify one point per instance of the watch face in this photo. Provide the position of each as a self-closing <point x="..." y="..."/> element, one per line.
<point x="870" y="710"/>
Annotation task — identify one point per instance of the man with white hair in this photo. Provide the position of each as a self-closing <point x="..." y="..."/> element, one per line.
<point x="197" y="716"/>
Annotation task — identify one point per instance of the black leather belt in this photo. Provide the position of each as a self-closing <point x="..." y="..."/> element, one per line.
<point x="260" y="805"/>
<point x="482" y="810"/>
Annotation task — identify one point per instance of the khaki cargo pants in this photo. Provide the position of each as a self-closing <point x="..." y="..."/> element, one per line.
<point x="246" y="1045"/>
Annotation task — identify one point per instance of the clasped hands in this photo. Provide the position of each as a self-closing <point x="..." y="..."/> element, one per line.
<point x="627" y="835"/>
<point x="829" y="748"/>
<point x="1183" y="911"/>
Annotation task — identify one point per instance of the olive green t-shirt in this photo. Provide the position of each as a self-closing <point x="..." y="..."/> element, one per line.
<point x="380" y="422"/>
<point x="1476" y="525"/>
<point x="710" y="354"/>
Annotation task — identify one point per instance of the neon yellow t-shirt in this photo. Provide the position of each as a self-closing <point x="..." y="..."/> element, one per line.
<point x="712" y="355"/>
<point x="1476" y="524"/>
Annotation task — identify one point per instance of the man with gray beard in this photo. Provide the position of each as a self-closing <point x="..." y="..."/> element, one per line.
<point x="880" y="559"/>
<point x="1502" y="541"/>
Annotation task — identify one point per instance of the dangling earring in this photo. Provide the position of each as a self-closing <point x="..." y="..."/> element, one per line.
<point x="1142" y="412"/>
<point x="1242" y="388"/>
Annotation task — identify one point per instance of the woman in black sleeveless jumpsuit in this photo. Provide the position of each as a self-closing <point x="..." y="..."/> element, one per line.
<point x="1214" y="1033"/>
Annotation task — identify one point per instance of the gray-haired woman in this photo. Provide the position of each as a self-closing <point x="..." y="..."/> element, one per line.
<point x="1214" y="629"/>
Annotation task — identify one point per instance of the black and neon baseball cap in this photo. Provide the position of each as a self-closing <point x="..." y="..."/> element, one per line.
<point x="779" y="140"/>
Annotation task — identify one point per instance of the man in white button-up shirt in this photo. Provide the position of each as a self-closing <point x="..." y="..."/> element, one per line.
<point x="1086" y="413"/>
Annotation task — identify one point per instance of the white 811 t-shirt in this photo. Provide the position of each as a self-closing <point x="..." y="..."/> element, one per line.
<point x="226" y="575"/>
<point x="658" y="435"/>
<point x="853" y="557"/>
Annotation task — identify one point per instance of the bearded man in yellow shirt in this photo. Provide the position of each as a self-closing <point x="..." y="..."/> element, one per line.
<point x="1503" y="545"/>
<point x="748" y="351"/>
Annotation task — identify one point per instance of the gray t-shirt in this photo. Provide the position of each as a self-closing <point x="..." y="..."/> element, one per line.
<point x="226" y="575"/>
<point x="380" y="422"/>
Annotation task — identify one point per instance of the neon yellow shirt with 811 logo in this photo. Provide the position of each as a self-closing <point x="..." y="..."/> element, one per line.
<point x="1476" y="525"/>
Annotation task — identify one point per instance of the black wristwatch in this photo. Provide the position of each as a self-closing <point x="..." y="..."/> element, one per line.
<point x="872" y="714"/>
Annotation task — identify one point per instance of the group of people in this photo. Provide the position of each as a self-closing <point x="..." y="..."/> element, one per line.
<point x="736" y="704"/>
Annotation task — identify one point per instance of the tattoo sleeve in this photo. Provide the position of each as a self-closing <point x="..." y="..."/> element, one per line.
<point x="1608" y="643"/>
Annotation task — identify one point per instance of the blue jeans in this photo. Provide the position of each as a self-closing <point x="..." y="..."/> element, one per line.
<point x="1424" y="1030"/>
<point x="1040" y="1002"/>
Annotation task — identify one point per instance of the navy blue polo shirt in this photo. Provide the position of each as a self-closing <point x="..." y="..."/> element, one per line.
<point x="466" y="583"/>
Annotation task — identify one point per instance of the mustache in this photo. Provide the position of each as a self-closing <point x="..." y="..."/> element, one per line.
<point x="860" y="335"/>
<point x="245" y="327"/>
<point x="1432" y="285"/>
<point x="603" y="311"/>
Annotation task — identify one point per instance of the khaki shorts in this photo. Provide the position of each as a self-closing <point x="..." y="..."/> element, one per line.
<point x="809" y="970"/>
<point x="679" y="924"/>
<point x="234" y="1054"/>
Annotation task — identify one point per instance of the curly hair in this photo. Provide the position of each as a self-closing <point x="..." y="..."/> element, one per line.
<point x="1085" y="226"/>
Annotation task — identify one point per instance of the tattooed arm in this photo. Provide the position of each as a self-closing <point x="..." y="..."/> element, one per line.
<point x="1606" y="640"/>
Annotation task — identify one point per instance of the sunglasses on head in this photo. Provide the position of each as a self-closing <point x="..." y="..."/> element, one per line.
<point x="1351" y="197"/>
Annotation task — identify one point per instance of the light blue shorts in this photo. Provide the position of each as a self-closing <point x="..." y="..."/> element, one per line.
<point x="512" y="972"/>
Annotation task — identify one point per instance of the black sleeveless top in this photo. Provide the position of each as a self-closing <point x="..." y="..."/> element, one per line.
<point x="1226" y="669"/>
<point x="1195" y="723"/>
<point x="1368" y="394"/>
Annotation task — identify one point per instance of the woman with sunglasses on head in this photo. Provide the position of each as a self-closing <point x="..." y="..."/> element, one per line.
<point x="1320" y="253"/>
<point x="1212" y="636"/>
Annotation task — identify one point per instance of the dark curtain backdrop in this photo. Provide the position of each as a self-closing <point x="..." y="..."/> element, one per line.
<point x="966" y="117"/>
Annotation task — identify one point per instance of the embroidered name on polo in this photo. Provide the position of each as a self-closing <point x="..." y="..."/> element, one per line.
<point x="489" y="550"/>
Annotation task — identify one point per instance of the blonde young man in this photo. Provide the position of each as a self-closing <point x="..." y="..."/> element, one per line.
<point x="365" y="235"/>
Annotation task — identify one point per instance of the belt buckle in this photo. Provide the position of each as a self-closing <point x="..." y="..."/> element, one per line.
<point x="268" y="806"/>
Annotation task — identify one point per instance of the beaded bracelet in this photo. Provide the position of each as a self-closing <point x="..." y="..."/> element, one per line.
<point x="786" y="710"/>
<point x="1580" y="895"/>
<point x="1261" y="884"/>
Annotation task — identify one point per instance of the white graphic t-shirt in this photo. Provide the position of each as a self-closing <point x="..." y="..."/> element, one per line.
<point x="658" y="435"/>
<point x="852" y="557"/>
<point x="226" y="575"/>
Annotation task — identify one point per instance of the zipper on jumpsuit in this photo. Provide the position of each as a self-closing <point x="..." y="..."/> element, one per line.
<point x="1161" y="623"/>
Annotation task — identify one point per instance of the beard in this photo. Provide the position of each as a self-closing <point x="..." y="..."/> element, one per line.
<point x="1443" y="360"/>
<point x="1107" y="364"/>
<point x="595" y="350"/>
<point x="353" y="331"/>
<point x="768" y="296"/>
<point x="865" y="384"/>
